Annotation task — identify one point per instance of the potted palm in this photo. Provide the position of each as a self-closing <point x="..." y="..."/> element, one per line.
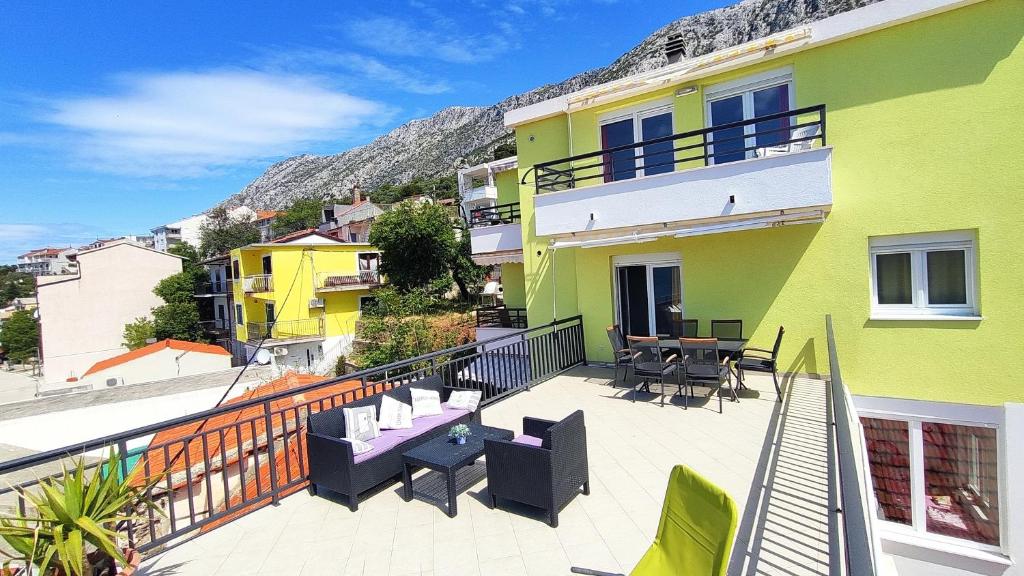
<point x="74" y="528"/>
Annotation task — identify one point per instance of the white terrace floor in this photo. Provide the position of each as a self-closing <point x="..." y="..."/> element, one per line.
<point x="771" y="457"/>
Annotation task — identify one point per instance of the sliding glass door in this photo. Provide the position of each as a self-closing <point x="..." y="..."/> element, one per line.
<point x="746" y="103"/>
<point x="636" y="127"/>
<point x="649" y="298"/>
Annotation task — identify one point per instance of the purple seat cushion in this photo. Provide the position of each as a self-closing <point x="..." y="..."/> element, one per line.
<point x="388" y="439"/>
<point x="528" y="440"/>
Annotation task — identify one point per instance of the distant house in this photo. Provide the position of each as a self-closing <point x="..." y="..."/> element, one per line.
<point x="48" y="261"/>
<point x="146" y="241"/>
<point x="215" y="300"/>
<point x="158" y="361"/>
<point x="351" y="222"/>
<point x="82" y="317"/>
<point x="188" y="229"/>
<point x="265" y="222"/>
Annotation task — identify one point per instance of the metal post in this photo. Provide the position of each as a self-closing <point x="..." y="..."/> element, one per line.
<point x="271" y="452"/>
<point x="122" y="457"/>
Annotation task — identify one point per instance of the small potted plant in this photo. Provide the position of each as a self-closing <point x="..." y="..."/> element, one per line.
<point x="459" y="432"/>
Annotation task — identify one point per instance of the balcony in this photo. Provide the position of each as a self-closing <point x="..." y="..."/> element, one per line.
<point x="485" y="192"/>
<point x="778" y="461"/>
<point x="337" y="281"/>
<point x="767" y="171"/>
<point x="500" y="317"/>
<point x="213" y="288"/>
<point x="496" y="235"/>
<point x="285" y="330"/>
<point x="258" y="283"/>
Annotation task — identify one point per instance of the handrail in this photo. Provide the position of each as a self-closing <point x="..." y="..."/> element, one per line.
<point x="549" y="178"/>
<point x="492" y="215"/>
<point x="858" y="546"/>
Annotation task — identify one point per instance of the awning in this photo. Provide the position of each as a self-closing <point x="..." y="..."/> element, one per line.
<point x="492" y="258"/>
<point x="793" y="218"/>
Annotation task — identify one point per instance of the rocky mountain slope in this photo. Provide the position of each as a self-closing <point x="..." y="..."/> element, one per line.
<point x="462" y="136"/>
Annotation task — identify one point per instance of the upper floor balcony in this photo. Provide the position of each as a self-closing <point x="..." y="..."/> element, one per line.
<point x="766" y="171"/>
<point x="482" y="192"/>
<point x="495" y="234"/>
<point x="215" y="288"/>
<point x="258" y="283"/>
<point x="285" y="330"/>
<point x="338" y="281"/>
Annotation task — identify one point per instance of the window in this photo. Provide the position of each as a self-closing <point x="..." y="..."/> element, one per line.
<point x="923" y="275"/>
<point x="936" y="478"/>
<point x="235" y="271"/>
<point x="269" y="307"/>
<point x="267" y="268"/>
<point x="238" y="315"/>
<point x="368" y="260"/>
<point x="748" y="98"/>
<point x="623" y="128"/>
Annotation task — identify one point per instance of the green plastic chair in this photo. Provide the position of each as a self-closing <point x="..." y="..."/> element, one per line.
<point x="696" y="531"/>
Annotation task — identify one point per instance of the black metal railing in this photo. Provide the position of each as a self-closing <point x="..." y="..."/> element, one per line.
<point x="211" y="288"/>
<point x="493" y="215"/>
<point x="219" y="464"/>
<point x="851" y="515"/>
<point x="766" y="135"/>
<point x="341" y="281"/>
<point x="500" y="317"/>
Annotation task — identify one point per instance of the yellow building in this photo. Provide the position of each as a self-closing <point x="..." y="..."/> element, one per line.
<point x="299" y="297"/>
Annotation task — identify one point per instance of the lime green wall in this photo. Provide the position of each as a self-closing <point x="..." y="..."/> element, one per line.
<point x="507" y="183"/>
<point x="925" y="123"/>
<point x="294" y="270"/>
<point x="513" y="283"/>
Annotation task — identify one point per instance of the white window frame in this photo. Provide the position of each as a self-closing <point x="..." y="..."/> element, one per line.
<point x="637" y="113"/>
<point x="746" y="87"/>
<point x="359" y="257"/>
<point x="651" y="261"/>
<point x="918" y="245"/>
<point x="914" y="413"/>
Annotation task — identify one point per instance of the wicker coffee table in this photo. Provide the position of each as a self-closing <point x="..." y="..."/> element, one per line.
<point x="445" y="456"/>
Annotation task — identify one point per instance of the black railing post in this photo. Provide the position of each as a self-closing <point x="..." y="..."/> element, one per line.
<point x="271" y="451"/>
<point x="122" y="462"/>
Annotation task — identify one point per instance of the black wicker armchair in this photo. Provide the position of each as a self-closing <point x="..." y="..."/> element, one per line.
<point x="548" y="475"/>
<point x="332" y="463"/>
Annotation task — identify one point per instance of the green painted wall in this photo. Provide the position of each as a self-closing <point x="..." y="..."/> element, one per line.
<point x="294" y="268"/>
<point x="508" y="186"/>
<point x="925" y="123"/>
<point x="513" y="283"/>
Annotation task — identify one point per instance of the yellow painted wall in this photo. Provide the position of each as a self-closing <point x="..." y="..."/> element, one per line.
<point x="507" y="183"/>
<point x="294" y="271"/>
<point x="513" y="283"/>
<point x="925" y="121"/>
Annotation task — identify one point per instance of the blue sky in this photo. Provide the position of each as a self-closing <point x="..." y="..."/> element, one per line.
<point x="119" y="116"/>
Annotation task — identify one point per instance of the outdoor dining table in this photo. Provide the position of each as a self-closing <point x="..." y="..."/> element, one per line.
<point x="731" y="347"/>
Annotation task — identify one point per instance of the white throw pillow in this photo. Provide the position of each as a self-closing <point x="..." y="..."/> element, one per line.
<point x="425" y="402"/>
<point x="394" y="414"/>
<point x="361" y="423"/>
<point x="358" y="446"/>
<point x="465" y="399"/>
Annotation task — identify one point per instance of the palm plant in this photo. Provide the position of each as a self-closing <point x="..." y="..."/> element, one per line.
<point x="74" y="529"/>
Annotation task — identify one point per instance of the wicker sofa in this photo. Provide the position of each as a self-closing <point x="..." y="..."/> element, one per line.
<point x="332" y="464"/>
<point x="544" y="467"/>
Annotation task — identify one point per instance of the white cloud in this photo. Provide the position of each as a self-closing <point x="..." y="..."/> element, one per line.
<point x="396" y="37"/>
<point x="188" y="123"/>
<point x="18" y="238"/>
<point x="399" y="77"/>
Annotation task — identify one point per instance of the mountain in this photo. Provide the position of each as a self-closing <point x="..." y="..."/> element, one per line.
<point x="463" y="136"/>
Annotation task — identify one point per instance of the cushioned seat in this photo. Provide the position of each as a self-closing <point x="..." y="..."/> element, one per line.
<point x="388" y="439"/>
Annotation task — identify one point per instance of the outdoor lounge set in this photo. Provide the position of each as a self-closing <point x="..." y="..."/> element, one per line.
<point x="544" y="467"/>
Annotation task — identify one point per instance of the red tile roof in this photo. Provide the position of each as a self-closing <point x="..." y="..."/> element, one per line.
<point x="156" y="347"/>
<point x="266" y="214"/>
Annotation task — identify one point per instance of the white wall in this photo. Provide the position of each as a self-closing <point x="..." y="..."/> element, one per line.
<point x="759" y="185"/>
<point x="487" y="239"/>
<point x="82" y="319"/>
<point x="160" y="365"/>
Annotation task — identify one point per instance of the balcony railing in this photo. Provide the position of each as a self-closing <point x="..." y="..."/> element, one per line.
<point x="339" y="281"/>
<point x="500" y="317"/>
<point x="258" y="283"/>
<point x="851" y="516"/>
<point x="211" y="288"/>
<point x="261" y="440"/>
<point x="494" y="215"/>
<point x="285" y="329"/>
<point x="761" y="136"/>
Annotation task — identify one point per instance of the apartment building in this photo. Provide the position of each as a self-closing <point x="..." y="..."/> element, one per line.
<point x="189" y="229"/>
<point x="265" y="222"/>
<point x="215" y="300"/>
<point x="82" y="316"/>
<point x="863" y="166"/>
<point x="48" y="261"/>
<point x="299" y="297"/>
<point x="351" y="222"/>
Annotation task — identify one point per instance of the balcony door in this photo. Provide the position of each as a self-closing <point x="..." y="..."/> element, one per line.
<point x="648" y="296"/>
<point x="267" y="268"/>
<point x="626" y="129"/>
<point x="747" y="99"/>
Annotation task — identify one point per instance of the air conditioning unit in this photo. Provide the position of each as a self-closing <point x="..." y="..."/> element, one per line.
<point x="316" y="302"/>
<point x="280" y="351"/>
<point x="115" y="382"/>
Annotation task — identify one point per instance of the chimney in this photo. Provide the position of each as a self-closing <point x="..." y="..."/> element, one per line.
<point x="357" y="196"/>
<point x="674" y="48"/>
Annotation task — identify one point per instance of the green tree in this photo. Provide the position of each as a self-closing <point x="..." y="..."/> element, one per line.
<point x="136" y="333"/>
<point x="14" y="284"/>
<point x="19" y="336"/>
<point x="221" y="233"/>
<point x="417" y="240"/>
<point x="302" y="214"/>
<point x="178" y="320"/>
<point x="505" y="150"/>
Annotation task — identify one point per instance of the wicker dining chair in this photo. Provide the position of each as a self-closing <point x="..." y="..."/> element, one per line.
<point x="727" y="329"/>
<point x="761" y="360"/>
<point x="620" y="352"/>
<point x="701" y="365"/>
<point x="649" y="364"/>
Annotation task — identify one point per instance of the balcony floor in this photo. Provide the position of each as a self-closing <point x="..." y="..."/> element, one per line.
<point x="771" y="457"/>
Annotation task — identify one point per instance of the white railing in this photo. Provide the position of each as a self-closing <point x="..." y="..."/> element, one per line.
<point x="258" y="283"/>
